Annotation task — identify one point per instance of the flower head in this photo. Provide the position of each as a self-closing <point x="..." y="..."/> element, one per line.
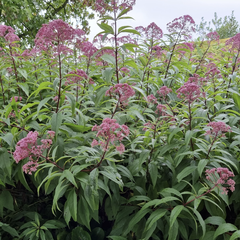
<point x="234" y="42"/>
<point x="79" y="76"/>
<point x="164" y="91"/>
<point x="110" y="132"/>
<point x="189" y="91"/>
<point x="217" y="129"/>
<point x="220" y="177"/>
<point x="183" y="25"/>
<point x="102" y="6"/>
<point x="153" y="32"/>
<point x="121" y="91"/>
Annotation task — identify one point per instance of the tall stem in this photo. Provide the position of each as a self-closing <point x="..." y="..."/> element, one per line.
<point x="2" y="90"/>
<point x="115" y="42"/>
<point x="60" y="76"/>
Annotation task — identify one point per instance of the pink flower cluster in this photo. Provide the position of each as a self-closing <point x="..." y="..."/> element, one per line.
<point x="220" y="176"/>
<point x="186" y="45"/>
<point x="161" y="110"/>
<point x="151" y="99"/>
<point x="87" y="48"/>
<point x="190" y="92"/>
<point x="28" y="148"/>
<point x="183" y="25"/>
<point x="122" y="91"/>
<point x="218" y="129"/>
<point x="153" y="32"/>
<point x="213" y="73"/>
<point x="55" y="34"/>
<point x="157" y="51"/>
<point x="110" y="132"/>
<point x="213" y="36"/>
<point x="102" y="6"/>
<point x="8" y="33"/>
<point x="16" y="98"/>
<point x="148" y="125"/>
<point x="80" y="75"/>
<point x="197" y="79"/>
<point x="234" y="42"/>
<point x="164" y="91"/>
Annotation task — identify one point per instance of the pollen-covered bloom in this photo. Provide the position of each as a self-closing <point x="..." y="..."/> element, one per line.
<point x="110" y="133"/>
<point x="218" y="129"/>
<point x="220" y="177"/>
<point x="122" y="92"/>
<point x="190" y="92"/>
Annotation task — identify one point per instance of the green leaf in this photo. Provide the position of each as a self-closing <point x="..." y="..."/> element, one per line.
<point x="23" y="72"/>
<point x="78" y="233"/>
<point x="69" y="176"/>
<point x="6" y="200"/>
<point x="108" y="58"/>
<point x="189" y="134"/>
<point x="107" y="74"/>
<point x="121" y="28"/>
<point x="130" y="31"/>
<point x="157" y="202"/>
<point x="235" y="235"/>
<point x="117" y="238"/>
<point x="72" y="101"/>
<point x="107" y="28"/>
<point x="56" y="122"/>
<point x="153" y="171"/>
<point x="54" y="224"/>
<point x="114" y="176"/>
<point x="83" y="212"/>
<point x="141" y="198"/>
<point x="215" y="220"/>
<point x="123" y="12"/>
<point x="9" y="229"/>
<point x="72" y="203"/>
<point x="225" y="227"/>
<point x="155" y="216"/>
<point x="173" y="133"/>
<point x="173" y="231"/>
<point x="78" y="128"/>
<point x="42" y="103"/>
<point x="138" y="217"/>
<point x="24" y="87"/>
<point x="174" y="214"/>
<point x="185" y="172"/>
<point x="201" y="165"/>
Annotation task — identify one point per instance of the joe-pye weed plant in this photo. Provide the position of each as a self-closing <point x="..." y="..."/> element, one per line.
<point x="138" y="140"/>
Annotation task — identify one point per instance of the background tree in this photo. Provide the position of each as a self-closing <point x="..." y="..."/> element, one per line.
<point x="226" y="27"/>
<point x="27" y="16"/>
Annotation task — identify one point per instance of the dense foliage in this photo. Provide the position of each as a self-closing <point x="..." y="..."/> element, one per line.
<point x="128" y="137"/>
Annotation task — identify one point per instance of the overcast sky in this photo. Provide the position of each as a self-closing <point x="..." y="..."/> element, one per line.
<point x="164" y="11"/>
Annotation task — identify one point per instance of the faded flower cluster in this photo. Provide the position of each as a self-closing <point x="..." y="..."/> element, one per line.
<point x="110" y="132"/>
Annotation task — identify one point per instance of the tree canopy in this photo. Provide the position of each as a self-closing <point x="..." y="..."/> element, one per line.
<point x="226" y="27"/>
<point x="27" y="16"/>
